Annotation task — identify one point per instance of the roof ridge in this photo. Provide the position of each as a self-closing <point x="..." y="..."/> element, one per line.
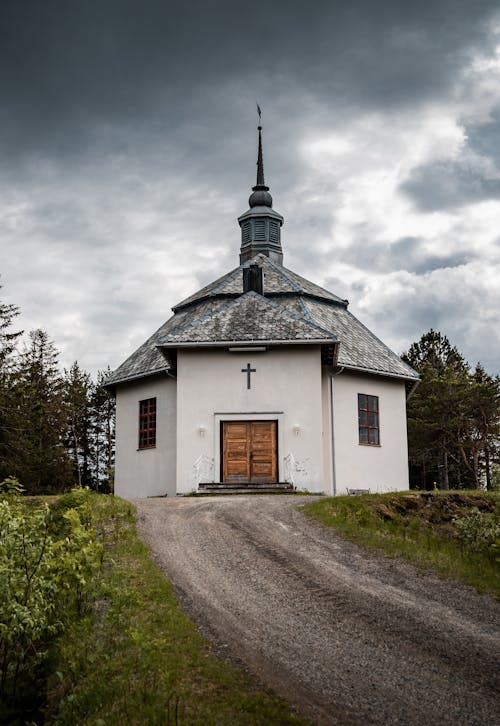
<point x="281" y="271"/>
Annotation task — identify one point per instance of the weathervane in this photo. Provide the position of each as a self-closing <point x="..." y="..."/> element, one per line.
<point x="259" y="112"/>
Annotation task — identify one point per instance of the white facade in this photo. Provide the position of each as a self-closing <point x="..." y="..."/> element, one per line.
<point x="286" y="387"/>
<point x="318" y="447"/>
<point x="146" y="472"/>
<point x="380" y="468"/>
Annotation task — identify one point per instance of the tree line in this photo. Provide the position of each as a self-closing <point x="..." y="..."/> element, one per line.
<point x="57" y="428"/>
<point x="453" y="419"/>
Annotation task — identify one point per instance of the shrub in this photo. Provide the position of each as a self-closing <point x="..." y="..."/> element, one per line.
<point x="43" y="581"/>
<point x="479" y="531"/>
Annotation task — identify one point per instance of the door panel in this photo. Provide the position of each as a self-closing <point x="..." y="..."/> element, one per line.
<point x="249" y="451"/>
<point x="236" y="450"/>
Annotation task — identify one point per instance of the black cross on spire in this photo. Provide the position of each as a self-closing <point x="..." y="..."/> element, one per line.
<point x="248" y="370"/>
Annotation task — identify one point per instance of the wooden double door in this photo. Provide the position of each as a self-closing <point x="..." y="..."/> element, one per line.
<point x="249" y="452"/>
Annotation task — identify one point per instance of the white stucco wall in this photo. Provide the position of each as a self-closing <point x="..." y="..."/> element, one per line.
<point x="146" y="472"/>
<point x="287" y="387"/>
<point x="378" y="468"/>
<point x="327" y="438"/>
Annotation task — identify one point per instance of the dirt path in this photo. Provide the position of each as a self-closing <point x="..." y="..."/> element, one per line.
<point x="346" y="636"/>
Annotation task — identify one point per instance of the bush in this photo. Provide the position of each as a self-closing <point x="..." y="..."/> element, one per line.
<point x="479" y="531"/>
<point x="44" y="580"/>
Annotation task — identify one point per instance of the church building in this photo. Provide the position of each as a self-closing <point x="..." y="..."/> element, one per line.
<point x="260" y="380"/>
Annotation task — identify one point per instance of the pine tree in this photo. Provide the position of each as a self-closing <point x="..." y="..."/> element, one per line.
<point x="78" y="390"/>
<point x="479" y="433"/>
<point x="38" y="456"/>
<point x="8" y="340"/>
<point x="103" y="434"/>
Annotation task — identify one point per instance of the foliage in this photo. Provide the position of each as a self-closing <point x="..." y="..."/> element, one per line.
<point x="479" y="531"/>
<point x="44" y="579"/>
<point x="424" y="528"/>
<point x="55" y="428"/>
<point x="37" y="456"/>
<point x="453" y="417"/>
<point x="8" y="340"/>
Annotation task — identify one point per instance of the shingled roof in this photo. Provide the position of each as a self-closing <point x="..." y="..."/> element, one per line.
<point x="277" y="281"/>
<point x="291" y="310"/>
<point x="249" y="318"/>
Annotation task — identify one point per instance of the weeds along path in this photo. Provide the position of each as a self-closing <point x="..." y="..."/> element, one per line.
<point x="348" y="637"/>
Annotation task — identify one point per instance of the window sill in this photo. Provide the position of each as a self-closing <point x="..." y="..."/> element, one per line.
<point x="373" y="446"/>
<point x="146" y="448"/>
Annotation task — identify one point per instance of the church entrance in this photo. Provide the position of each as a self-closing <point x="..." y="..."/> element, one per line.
<point x="249" y="452"/>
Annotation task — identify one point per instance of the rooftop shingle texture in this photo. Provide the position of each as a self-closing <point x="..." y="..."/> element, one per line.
<point x="277" y="280"/>
<point x="249" y="317"/>
<point x="359" y="347"/>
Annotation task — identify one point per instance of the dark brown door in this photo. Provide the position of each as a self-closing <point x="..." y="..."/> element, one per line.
<point x="249" y="452"/>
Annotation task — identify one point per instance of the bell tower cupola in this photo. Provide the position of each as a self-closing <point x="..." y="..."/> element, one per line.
<point x="260" y="225"/>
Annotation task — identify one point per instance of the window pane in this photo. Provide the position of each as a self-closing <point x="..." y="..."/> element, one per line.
<point x="361" y="400"/>
<point x="363" y="436"/>
<point x="363" y="418"/>
<point x="373" y="419"/>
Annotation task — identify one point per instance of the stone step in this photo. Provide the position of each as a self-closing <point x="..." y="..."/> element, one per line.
<point x="243" y="488"/>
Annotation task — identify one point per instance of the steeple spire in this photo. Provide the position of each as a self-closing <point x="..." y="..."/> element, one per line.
<point x="260" y="225"/>
<point x="260" y="163"/>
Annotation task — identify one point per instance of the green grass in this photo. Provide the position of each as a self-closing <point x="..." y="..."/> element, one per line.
<point x="135" y="658"/>
<point x="419" y="527"/>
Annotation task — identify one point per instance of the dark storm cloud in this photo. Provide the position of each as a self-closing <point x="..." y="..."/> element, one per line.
<point x="473" y="177"/>
<point x="483" y="138"/>
<point x="445" y="185"/>
<point x="68" y="70"/>
<point x="407" y="253"/>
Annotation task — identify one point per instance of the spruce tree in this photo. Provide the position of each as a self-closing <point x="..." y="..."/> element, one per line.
<point x="39" y="458"/>
<point x="8" y="340"/>
<point x="78" y="390"/>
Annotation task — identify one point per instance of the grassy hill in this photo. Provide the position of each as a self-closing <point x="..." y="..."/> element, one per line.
<point x="457" y="533"/>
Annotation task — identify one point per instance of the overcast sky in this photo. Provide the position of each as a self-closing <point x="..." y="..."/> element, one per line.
<point x="128" y="149"/>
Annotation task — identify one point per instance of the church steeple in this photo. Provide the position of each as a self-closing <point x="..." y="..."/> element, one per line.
<point x="260" y="225"/>
<point x="260" y="162"/>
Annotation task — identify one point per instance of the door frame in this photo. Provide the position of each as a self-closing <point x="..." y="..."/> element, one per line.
<point x="252" y="420"/>
<point x="277" y="416"/>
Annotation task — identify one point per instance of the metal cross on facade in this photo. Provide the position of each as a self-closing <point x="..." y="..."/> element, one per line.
<point x="248" y="370"/>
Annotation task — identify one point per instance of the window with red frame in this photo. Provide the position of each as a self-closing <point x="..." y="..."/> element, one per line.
<point x="368" y="419"/>
<point x="147" y="423"/>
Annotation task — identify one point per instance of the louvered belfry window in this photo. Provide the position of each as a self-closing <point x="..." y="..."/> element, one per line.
<point x="260" y="230"/>
<point x="147" y="423"/>
<point x="273" y="231"/>
<point x="245" y="232"/>
<point x="368" y="419"/>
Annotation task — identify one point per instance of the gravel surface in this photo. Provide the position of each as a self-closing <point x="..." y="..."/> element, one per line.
<point x="346" y="636"/>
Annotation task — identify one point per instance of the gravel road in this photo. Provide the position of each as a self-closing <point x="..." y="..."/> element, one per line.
<point x="346" y="636"/>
